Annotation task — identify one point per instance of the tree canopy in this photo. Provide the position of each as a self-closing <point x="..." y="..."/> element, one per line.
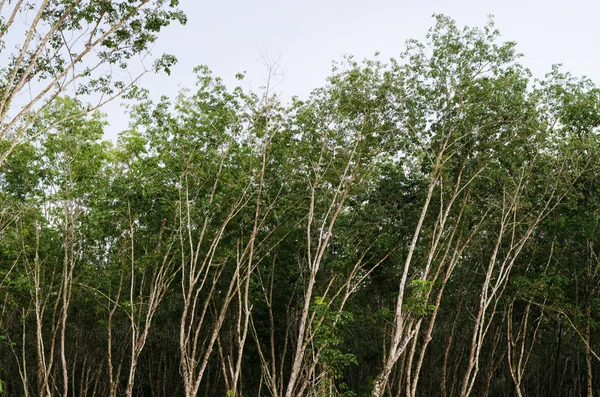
<point x="424" y="226"/>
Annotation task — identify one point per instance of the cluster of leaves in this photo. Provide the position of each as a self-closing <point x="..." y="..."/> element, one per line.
<point x="206" y="173"/>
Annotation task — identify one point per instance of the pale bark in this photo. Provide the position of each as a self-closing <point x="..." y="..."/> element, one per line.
<point x="42" y="92"/>
<point x="47" y="348"/>
<point x="401" y="338"/>
<point x="498" y="269"/>
<point x="588" y="355"/>
<point x="448" y="260"/>
<point x="520" y="345"/>
<point x="447" y="347"/>
<point x="323" y="237"/>
<point x="202" y="274"/>
<point x="145" y="307"/>
<point x="114" y="374"/>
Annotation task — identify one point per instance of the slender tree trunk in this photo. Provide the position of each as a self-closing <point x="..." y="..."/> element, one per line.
<point x="401" y="337"/>
<point x="588" y="352"/>
<point x="450" y="338"/>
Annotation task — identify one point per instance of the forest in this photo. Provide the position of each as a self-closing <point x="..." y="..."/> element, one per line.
<point x="423" y="226"/>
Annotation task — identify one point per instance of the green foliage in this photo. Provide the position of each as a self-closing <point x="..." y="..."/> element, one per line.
<point x="327" y="336"/>
<point x="195" y="178"/>
<point x="417" y="303"/>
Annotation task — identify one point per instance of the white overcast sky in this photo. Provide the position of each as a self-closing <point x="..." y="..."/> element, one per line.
<point x="229" y="35"/>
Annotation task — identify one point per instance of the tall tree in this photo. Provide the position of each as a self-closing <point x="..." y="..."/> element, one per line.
<point x="75" y="47"/>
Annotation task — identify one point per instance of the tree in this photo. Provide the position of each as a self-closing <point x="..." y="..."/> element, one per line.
<point x="77" y="47"/>
<point x="427" y="226"/>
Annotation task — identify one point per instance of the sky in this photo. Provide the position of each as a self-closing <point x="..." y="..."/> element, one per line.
<point x="305" y="36"/>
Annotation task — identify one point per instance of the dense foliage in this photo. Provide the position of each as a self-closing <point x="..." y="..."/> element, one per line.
<point x="427" y="226"/>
